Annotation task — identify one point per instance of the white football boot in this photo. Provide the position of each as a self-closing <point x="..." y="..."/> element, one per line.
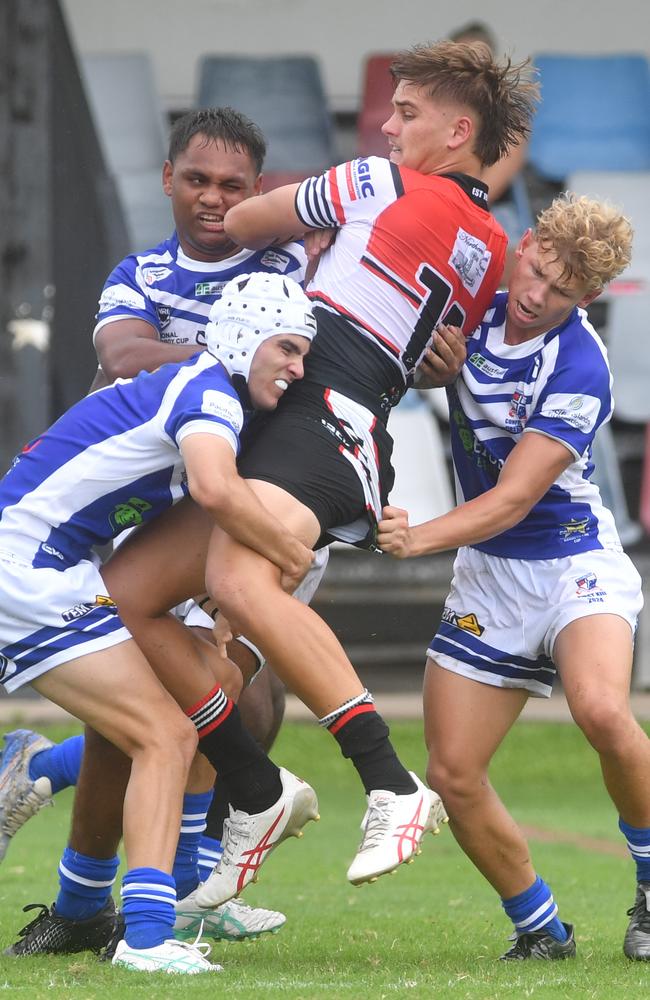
<point x="248" y="839"/>
<point x="393" y="828"/>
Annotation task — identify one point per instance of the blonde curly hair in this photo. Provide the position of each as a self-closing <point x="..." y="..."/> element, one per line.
<point x="592" y="239"/>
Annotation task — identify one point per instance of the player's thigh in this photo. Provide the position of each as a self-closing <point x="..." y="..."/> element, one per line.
<point x="230" y="563"/>
<point x="115" y="691"/>
<point x="295" y="515"/>
<point x="594" y="659"/>
<point x="161" y="564"/>
<point x="465" y="720"/>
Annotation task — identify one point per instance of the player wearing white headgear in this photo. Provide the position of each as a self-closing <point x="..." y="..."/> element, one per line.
<point x="122" y="456"/>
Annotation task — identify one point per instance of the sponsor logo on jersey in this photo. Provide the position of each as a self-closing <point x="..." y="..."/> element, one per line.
<point x="579" y="411"/>
<point x="470" y="259"/>
<point x="104" y="601"/>
<point x="574" y="530"/>
<point x="128" y="514"/>
<point x="275" y="259"/>
<point x="475" y="450"/>
<point x="488" y="367"/>
<point x="361" y="178"/>
<point x="516" y="417"/>
<point x="202" y="288"/>
<point x="164" y="314"/>
<point x="467" y="622"/>
<point x="155" y="274"/>
<point x="219" y="404"/>
<point x="120" y="297"/>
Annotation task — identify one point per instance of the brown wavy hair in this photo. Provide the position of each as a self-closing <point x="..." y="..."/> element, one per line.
<point x="502" y="95"/>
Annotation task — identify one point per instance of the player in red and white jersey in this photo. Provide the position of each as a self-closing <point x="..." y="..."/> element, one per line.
<point x="411" y="249"/>
<point x="323" y="460"/>
<point x="415" y="245"/>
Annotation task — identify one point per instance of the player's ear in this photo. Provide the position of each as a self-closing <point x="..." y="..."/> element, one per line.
<point x="588" y="299"/>
<point x="167" y="172"/>
<point x="524" y="242"/>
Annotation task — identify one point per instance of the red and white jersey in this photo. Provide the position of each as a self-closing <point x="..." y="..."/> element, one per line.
<point x="413" y="250"/>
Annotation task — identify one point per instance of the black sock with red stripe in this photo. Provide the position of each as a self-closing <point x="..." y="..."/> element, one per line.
<point x="252" y="779"/>
<point x="362" y="735"/>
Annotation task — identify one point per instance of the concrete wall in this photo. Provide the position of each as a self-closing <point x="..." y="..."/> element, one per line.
<point x="340" y="32"/>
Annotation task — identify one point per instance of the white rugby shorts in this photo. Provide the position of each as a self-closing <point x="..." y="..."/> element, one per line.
<point x="502" y="616"/>
<point x="50" y="616"/>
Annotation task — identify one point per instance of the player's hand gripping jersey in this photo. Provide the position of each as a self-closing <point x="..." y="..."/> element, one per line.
<point x="413" y="249"/>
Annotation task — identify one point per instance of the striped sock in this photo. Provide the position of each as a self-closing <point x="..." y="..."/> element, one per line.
<point x="210" y="851"/>
<point x="211" y="711"/>
<point x="251" y="778"/>
<point x="533" y="909"/>
<point x="362" y="736"/>
<point x="148" y="897"/>
<point x="85" y="884"/>
<point x="60" y="763"/>
<point x="638" y="842"/>
<point x="193" y="822"/>
<point x="363" y="702"/>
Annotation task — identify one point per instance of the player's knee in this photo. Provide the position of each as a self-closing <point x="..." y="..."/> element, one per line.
<point x="454" y="781"/>
<point x="170" y="736"/>
<point x="604" y="724"/>
<point x="235" y="598"/>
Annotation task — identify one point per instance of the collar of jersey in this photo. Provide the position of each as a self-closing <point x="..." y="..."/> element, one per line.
<point x="212" y="266"/>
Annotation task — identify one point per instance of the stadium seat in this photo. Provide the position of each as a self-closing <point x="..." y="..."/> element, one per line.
<point x="132" y="131"/>
<point x="594" y="115"/>
<point x="284" y="95"/>
<point x="376" y="96"/>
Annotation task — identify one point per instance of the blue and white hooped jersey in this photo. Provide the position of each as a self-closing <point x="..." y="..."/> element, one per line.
<point x="559" y="385"/>
<point x="174" y="293"/>
<point x="112" y="461"/>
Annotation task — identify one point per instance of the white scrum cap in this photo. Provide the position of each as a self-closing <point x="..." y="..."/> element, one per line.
<point x="252" y="308"/>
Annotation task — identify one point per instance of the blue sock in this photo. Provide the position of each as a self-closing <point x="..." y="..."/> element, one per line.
<point x="638" y="842"/>
<point x="533" y="909"/>
<point x="148" y="897"/>
<point x="60" y="763"/>
<point x="85" y="884"/>
<point x="210" y="851"/>
<point x="193" y="823"/>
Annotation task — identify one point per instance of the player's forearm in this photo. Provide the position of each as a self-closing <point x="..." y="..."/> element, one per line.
<point x="475" y="521"/>
<point x="238" y="511"/>
<point x="142" y="355"/>
<point x="260" y="222"/>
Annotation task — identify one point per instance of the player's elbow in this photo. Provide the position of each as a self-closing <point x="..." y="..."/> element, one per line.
<point x="212" y="493"/>
<point x="118" y="361"/>
<point x="235" y="226"/>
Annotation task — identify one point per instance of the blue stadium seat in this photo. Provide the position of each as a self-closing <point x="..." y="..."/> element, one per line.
<point x="594" y="115"/>
<point x="284" y="95"/>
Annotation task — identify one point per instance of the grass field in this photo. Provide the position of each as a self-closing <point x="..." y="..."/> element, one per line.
<point x="435" y="929"/>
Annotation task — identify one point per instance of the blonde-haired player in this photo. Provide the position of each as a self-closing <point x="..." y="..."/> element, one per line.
<point x="541" y="583"/>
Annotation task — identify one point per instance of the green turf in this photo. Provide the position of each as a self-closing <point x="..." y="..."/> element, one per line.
<point x="435" y="929"/>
